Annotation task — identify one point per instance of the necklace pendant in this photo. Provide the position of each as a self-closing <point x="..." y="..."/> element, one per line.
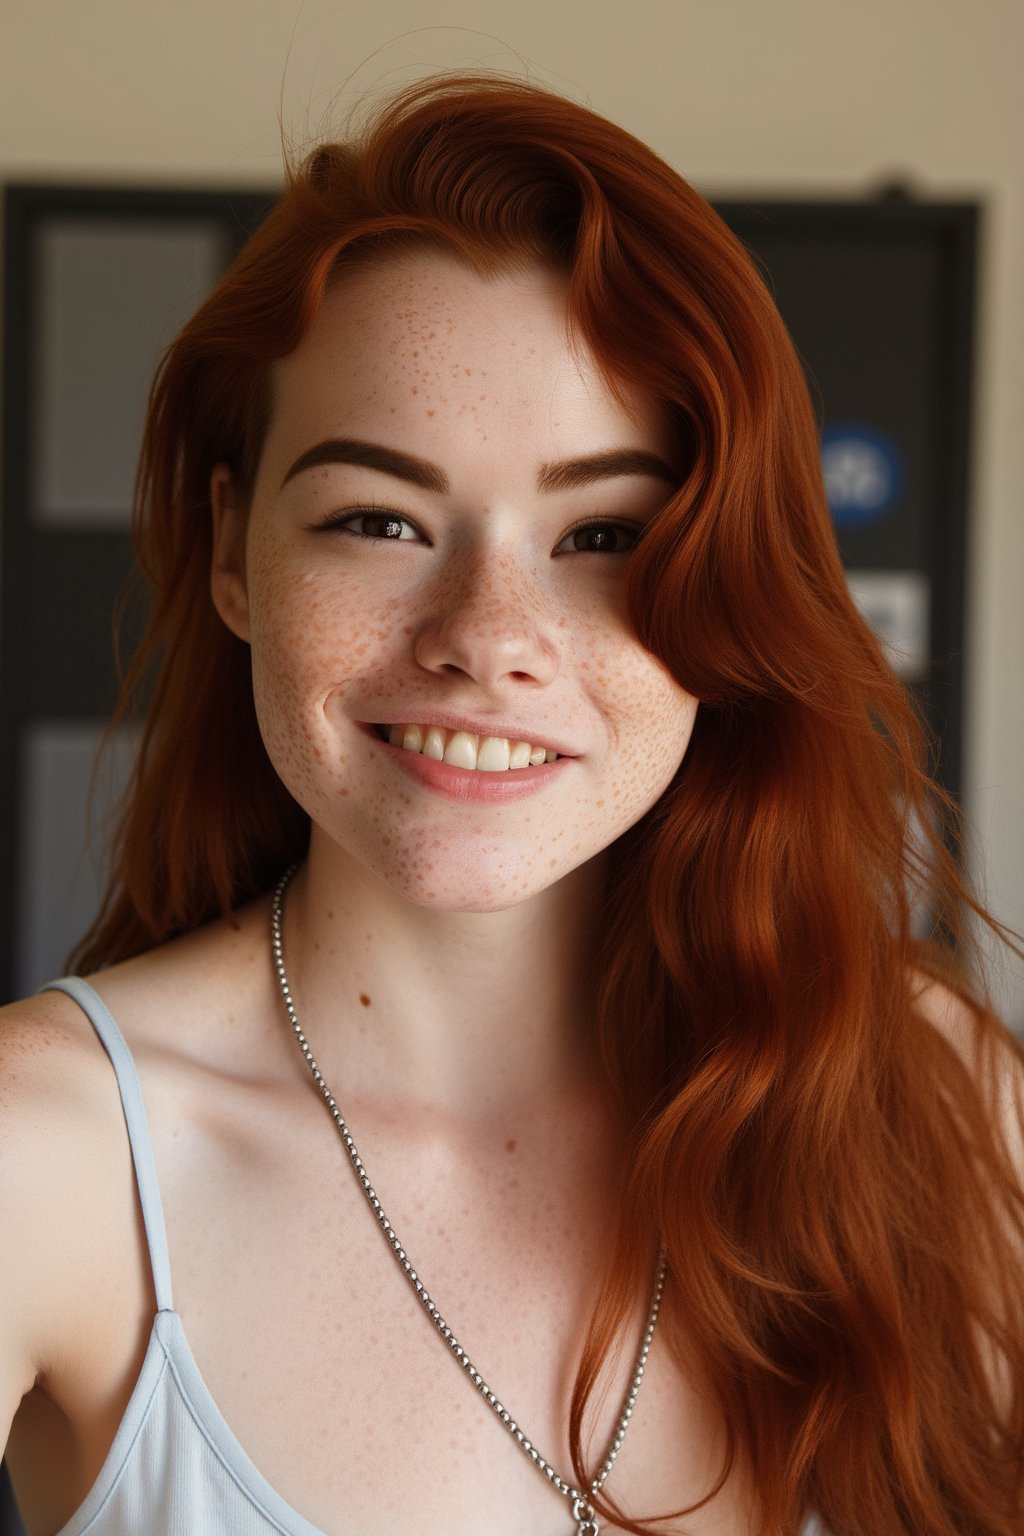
<point x="586" y="1520"/>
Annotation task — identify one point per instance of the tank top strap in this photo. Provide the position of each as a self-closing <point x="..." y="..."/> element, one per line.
<point x="130" y="1090"/>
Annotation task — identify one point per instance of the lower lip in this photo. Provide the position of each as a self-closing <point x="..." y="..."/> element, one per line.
<point x="471" y="785"/>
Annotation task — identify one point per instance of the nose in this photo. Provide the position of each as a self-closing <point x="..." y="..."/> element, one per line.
<point x="487" y="620"/>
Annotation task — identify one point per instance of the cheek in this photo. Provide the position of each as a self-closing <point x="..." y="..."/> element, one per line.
<point x="310" y="640"/>
<point x="656" y="734"/>
<point x="649" y="718"/>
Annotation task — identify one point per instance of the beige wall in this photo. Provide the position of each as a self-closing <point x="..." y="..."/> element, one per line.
<point x="764" y="95"/>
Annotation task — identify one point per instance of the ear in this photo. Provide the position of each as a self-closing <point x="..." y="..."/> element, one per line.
<point x="228" y="586"/>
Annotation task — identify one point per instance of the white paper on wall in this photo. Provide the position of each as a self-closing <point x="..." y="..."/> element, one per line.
<point x="59" y="882"/>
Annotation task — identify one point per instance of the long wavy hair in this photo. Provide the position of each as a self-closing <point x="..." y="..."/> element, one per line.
<point x="843" y="1222"/>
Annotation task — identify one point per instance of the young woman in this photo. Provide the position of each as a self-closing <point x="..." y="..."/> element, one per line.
<point x="521" y="801"/>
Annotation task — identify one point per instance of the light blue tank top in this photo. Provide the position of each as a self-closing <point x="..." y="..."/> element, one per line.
<point x="175" y="1468"/>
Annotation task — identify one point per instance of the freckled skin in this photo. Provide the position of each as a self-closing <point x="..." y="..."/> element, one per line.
<point x="482" y="604"/>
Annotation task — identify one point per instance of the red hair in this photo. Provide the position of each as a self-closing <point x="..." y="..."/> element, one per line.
<point x="843" y="1224"/>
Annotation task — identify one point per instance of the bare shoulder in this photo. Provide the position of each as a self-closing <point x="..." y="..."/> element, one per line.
<point x="171" y="999"/>
<point x="952" y="1015"/>
<point x="36" y="1035"/>
<point x="67" y="1193"/>
<point x="48" y="1047"/>
<point x="53" y="1082"/>
<point x="992" y="1055"/>
<point x="76" y="1289"/>
<point x="61" y="1133"/>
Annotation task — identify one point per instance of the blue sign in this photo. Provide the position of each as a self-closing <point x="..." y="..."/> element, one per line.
<point x="863" y="472"/>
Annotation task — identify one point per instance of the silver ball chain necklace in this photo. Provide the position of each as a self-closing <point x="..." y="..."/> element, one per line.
<point x="583" y="1513"/>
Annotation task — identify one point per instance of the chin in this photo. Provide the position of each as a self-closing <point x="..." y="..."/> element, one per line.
<point x="449" y="891"/>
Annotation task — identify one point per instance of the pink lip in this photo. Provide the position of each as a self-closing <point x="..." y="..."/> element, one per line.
<point x="468" y="784"/>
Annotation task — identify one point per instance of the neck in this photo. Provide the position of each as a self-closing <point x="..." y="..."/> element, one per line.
<point x="462" y="1013"/>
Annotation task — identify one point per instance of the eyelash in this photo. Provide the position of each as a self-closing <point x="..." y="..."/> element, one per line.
<point x="370" y="509"/>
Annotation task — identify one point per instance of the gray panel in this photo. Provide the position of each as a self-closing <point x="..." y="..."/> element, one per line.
<point x="110" y="294"/>
<point x="59" y="884"/>
<point x="896" y="605"/>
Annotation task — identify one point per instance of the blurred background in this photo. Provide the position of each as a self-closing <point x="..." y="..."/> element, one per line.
<point x="871" y="156"/>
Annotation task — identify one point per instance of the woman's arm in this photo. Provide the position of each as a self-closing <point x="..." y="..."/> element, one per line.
<point x="998" y="1071"/>
<point x="51" y="1087"/>
<point x="997" y="1067"/>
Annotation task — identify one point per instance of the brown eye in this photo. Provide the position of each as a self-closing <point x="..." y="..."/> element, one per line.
<point x="602" y="538"/>
<point x="383" y="527"/>
<point x="379" y="526"/>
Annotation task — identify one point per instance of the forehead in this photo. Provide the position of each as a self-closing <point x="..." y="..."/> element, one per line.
<point x="422" y="346"/>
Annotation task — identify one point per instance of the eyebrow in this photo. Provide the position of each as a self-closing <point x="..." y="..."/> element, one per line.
<point x="562" y="475"/>
<point x="567" y="474"/>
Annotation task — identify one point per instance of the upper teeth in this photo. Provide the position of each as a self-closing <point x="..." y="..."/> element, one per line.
<point x="490" y="754"/>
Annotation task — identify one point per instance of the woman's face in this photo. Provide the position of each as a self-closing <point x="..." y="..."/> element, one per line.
<point x="438" y="536"/>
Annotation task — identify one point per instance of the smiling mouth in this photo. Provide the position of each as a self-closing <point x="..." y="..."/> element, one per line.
<point x="461" y="749"/>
